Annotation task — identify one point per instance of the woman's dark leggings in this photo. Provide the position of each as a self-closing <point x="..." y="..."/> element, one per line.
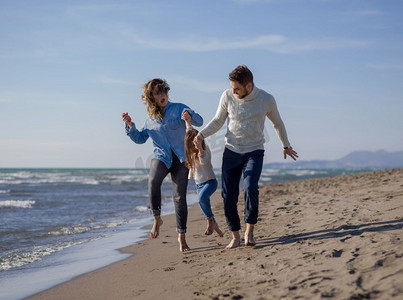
<point x="179" y="176"/>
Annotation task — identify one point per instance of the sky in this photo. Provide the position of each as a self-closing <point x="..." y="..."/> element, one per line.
<point x="69" y="69"/>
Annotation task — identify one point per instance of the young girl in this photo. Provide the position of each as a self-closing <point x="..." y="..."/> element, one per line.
<point x="198" y="161"/>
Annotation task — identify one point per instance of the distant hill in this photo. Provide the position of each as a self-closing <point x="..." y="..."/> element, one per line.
<point x="380" y="159"/>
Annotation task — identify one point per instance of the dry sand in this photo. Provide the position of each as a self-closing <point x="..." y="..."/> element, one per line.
<point x="337" y="238"/>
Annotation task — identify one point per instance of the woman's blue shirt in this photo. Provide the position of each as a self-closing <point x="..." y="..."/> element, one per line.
<point x="167" y="134"/>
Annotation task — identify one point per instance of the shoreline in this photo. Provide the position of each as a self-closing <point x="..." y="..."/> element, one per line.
<point x="336" y="237"/>
<point x="78" y="260"/>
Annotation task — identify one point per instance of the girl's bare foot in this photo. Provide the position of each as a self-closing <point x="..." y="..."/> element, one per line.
<point x="235" y="242"/>
<point x="183" y="246"/>
<point x="218" y="230"/>
<point x="210" y="227"/>
<point x="155" y="231"/>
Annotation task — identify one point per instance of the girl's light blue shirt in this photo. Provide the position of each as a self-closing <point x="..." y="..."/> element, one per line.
<point x="168" y="134"/>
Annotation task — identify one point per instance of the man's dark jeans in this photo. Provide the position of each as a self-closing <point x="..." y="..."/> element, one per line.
<point x="233" y="166"/>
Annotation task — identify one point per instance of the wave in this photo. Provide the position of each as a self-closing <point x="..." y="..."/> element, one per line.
<point x="17" y="203"/>
<point x="78" y="229"/>
<point x="19" y="258"/>
<point x="141" y="208"/>
<point x="84" y="177"/>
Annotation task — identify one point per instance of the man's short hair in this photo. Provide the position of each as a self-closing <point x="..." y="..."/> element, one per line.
<point x="242" y="75"/>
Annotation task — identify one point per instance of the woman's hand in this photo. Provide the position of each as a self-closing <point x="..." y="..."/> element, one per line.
<point x="186" y="116"/>
<point x="126" y="118"/>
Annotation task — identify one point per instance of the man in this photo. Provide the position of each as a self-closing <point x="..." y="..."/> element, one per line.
<point x="246" y="108"/>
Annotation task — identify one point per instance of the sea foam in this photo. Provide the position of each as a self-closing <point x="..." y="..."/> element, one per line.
<point x="17" y="203"/>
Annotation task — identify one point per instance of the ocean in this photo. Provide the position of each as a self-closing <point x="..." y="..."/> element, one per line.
<point x="56" y="224"/>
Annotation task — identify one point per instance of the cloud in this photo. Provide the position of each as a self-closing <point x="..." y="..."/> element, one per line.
<point x="252" y="1"/>
<point x="298" y="46"/>
<point x="110" y="80"/>
<point x="272" y="42"/>
<point x="184" y="82"/>
<point x="197" y="43"/>
<point x="386" y="66"/>
<point x="198" y="85"/>
<point x="373" y="12"/>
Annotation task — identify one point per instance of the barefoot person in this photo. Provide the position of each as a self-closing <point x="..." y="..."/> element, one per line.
<point x="167" y="131"/>
<point x="198" y="160"/>
<point x="246" y="108"/>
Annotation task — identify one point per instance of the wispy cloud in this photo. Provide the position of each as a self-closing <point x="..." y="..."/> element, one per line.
<point x="111" y="80"/>
<point x="386" y="66"/>
<point x="252" y="1"/>
<point x="198" y="85"/>
<point x="197" y="43"/>
<point x="272" y="42"/>
<point x="368" y="12"/>
<point x="184" y="82"/>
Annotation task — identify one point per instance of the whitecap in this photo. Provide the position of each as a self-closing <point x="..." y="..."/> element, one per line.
<point x="77" y="229"/>
<point x="17" y="203"/>
<point x="21" y="258"/>
<point x="140" y="208"/>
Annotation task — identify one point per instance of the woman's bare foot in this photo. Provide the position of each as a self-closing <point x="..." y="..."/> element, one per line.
<point x="249" y="240"/>
<point x="218" y="230"/>
<point x="210" y="227"/>
<point x="183" y="246"/>
<point x="155" y="231"/>
<point x="235" y="242"/>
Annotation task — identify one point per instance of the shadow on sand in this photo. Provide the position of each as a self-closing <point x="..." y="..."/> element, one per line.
<point x="338" y="232"/>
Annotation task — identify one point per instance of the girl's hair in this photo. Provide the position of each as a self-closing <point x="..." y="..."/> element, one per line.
<point x="190" y="151"/>
<point x="153" y="110"/>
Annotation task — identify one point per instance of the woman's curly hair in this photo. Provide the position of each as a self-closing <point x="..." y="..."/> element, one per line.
<point x="153" y="110"/>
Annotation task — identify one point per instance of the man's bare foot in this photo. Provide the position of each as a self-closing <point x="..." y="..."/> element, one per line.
<point x="155" y="231"/>
<point x="183" y="246"/>
<point x="210" y="227"/>
<point x="249" y="240"/>
<point x="218" y="230"/>
<point x="235" y="242"/>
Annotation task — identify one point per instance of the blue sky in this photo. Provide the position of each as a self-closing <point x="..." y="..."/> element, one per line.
<point x="68" y="69"/>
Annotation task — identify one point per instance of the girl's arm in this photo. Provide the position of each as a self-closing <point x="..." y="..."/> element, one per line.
<point x="204" y="156"/>
<point x="187" y="118"/>
<point x="195" y="118"/>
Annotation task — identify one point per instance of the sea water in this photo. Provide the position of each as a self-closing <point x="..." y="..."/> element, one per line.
<point x="58" y="223"/>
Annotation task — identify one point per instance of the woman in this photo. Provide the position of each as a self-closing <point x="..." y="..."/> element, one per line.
<point x="167" y="131"/>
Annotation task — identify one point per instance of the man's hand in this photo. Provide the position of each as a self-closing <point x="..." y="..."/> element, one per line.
<point x="198" y="140"/>
<point x="290" y="152"/>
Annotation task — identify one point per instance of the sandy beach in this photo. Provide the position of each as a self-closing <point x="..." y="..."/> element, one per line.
<point x="338" y="238"/>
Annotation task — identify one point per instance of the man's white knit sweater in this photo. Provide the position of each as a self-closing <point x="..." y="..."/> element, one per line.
<point x="246" y="118"/>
